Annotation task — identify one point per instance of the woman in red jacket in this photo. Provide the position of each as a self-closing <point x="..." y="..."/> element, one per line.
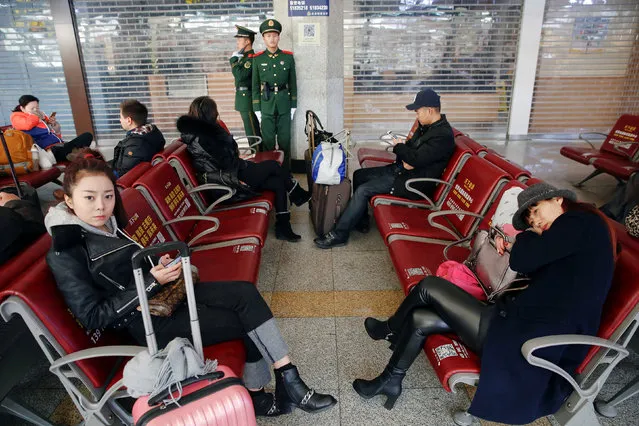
<point x="45" y="130"/>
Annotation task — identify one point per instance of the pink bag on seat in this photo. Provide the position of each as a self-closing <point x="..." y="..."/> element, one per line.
<point x="460" y="275"/>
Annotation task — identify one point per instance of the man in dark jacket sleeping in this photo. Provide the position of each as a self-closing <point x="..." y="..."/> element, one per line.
<point x="142" y="140"/>
<point x="424" y="155"/>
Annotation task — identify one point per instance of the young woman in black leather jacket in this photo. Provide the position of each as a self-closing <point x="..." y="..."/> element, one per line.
<point x="91" y="261"/>
<point x="216" y="159"/>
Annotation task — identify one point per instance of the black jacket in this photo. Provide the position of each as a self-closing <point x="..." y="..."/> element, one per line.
<point x="21" y="222"/>
<point x="214" y="152"/>
<point x="428" y="151"/>
<point x="139" y="145"/>
<point x="95" y="275"/>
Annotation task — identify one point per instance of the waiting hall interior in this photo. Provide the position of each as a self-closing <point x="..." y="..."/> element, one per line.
<point x="528" y="87"/>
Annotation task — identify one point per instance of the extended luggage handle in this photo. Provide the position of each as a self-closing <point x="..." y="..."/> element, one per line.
<point x="136" y="259"/>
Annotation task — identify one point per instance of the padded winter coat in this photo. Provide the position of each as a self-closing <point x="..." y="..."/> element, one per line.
<point x="139" y="145"/>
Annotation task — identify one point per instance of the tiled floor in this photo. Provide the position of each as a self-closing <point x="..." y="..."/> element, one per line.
<point x="321" y="299"/>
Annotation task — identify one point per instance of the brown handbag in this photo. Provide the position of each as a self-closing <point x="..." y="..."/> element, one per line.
<point x="166" y="301"/>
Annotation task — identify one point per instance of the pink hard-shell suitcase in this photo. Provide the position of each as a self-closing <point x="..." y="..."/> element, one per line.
<point x="218" y="398"/>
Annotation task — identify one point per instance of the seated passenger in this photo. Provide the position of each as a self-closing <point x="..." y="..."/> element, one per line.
<point x="424" y="155"/>
<point x="216" y="159"/>
<point x="45" y="130"/>
<point x="91" y="260"/>
<point x="142" y="140"/>
<point x="566" y="251"/>
<point x="21" y="222"/>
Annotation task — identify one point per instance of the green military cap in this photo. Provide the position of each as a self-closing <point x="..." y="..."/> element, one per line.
<point x="244" y="32"/>
<point x="270" y="25"/>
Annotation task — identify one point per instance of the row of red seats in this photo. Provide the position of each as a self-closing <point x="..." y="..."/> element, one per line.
<point x="420" y="235"/>
<point x="617" y="156"/>
<point x="162" y="203"/>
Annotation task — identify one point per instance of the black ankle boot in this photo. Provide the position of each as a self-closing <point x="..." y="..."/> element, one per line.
<point x="388" y="383"/>
<point x="283" y="229"/>
<point x="291" y="391"/>
<point x="264" y="403"/>
<point x="378" y="330"/>
<point x="299" y="195"/>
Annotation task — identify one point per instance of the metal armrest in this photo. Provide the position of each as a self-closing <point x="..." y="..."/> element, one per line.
<point x="409" y="188"/>
<point x="449" y="212"/>
<point x="532" y="345"/>
<point x="247" y="151"/>
<point x="456" y="243"/>
<point x="214" y="186"/>
<point x="103" y="351"/>
<point x="201" y="234"/>
<point x="582" y="137"/>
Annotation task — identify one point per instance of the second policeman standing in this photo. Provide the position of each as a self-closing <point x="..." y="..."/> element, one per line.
<point x="274" y="90"/>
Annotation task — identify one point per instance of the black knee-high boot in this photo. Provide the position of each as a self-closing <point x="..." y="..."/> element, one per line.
<point x="423" y="322"/>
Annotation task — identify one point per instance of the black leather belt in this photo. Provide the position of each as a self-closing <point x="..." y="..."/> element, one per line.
<point x="280" y="87"/>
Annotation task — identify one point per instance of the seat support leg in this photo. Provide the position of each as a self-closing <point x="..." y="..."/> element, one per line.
<point x="9" y="405"/>
<point x="587" y="178"/>
<point x="609" y="408"/>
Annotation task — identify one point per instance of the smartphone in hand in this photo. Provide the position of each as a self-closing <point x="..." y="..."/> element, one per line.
<point x="174" y="262"/>
<point x="52" y="115"/>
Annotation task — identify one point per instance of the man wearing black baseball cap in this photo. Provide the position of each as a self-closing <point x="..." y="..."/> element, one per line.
<point x="424" y="155"/>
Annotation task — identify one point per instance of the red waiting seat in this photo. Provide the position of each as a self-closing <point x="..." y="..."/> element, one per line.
<point x="456" y="162"/>
<point x="35" y="179"/>
<point x="168" y="149"/>
<point x="474" y="188"/>
<point x="181" y="161"/>
<point x="129" y="178"/>
<point x="514" y="170"/>
<point x="89" y="363"/>
<point x="23" y="260"/>
<point x="619" y="168"/>
<point x="476" y="147"/>
<point x="169" y="198"/>
<point x="621" y="144"/>
<point x="237" y="261"/>
<point x="414" y="260"/>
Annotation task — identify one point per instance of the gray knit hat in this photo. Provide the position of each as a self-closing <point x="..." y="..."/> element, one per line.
<point x="534" y="194"/>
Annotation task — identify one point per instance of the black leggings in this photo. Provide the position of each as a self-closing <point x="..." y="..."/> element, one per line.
<point x="227" y="311"/>
<point x="269" y="175"/>
<point x="437" y="306"/>
<point x="60" y="152"/>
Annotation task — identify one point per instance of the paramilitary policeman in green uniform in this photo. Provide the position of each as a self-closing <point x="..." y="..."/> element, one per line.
<point x="274" y="90"/>
<point x="241" y="66"/>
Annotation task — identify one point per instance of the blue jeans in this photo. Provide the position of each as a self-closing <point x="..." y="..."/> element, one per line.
<point x="366" y="184"/>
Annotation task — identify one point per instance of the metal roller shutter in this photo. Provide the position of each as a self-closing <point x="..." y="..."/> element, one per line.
<point x="588" y="69"/>
<point x="465" y="50"/>
<point x="30" y="62"/>
<point x="164" y="53"/>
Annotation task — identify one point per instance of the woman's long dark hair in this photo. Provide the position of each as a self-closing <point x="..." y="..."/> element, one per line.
<point x="24" y="101"/>
<point x="204" y="108"/>
<point x="90" y="162"/>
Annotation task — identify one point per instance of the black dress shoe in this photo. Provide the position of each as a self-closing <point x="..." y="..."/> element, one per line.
<point x="330" y="240"/>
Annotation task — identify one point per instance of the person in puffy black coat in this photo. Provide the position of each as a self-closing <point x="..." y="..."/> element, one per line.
<point x="142" y="140"/>
<point x="216" y="159"/>
<point x="566" y="250"/>
<point x="90" y="259"/>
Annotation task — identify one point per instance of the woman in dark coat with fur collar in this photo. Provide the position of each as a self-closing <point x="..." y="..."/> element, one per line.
<point x="216" y="159"/>
<point x="566" y="250"/>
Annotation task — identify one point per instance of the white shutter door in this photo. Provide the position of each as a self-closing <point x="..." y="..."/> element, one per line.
<point x="30" y="62"/>
<point x="588" y="69"/>
<point x="465" y="50"/>
<point x="163" y="53"/>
